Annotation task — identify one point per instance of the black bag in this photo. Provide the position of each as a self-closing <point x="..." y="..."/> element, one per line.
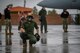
<point x="37" y="36"/>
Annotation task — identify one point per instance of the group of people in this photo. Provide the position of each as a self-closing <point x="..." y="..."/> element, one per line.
<point x="27" y="25"/>
<point x="64" y="15"/>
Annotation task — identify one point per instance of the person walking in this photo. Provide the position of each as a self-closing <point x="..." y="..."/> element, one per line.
<point x="64" y="16"/>
<point x="42" y="14"/>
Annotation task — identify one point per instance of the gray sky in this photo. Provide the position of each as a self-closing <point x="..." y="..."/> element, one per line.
<point x="29" y="3"/>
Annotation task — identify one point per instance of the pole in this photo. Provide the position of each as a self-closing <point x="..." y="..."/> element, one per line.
<point x="24" y="3"/>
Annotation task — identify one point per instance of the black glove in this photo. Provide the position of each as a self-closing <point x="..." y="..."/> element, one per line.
<point x="37" y="36"/>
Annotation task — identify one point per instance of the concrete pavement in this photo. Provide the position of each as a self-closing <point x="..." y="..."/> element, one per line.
<point x="55" y="41"/>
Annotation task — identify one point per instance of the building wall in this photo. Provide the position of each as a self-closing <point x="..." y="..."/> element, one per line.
<point x="51" y="19"/>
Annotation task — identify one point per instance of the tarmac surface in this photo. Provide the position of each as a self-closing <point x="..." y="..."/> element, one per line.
<point x="55" y="41"/>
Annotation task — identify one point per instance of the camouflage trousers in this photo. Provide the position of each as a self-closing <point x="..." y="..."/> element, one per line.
<point x="8" y="26"/>
<point x="65" y="24"/>
<point x="44" y="26"/>
<point x="24" y="36"/>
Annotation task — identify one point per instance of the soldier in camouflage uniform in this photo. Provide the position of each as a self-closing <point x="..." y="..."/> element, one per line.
<point x="8" y="18"/>
<point x="42" y="14"/>
<point x="64" y="16"/>
<point x="27" y="31"/>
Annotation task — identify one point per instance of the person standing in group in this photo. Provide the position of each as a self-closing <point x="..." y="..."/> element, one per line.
<point x="22" y="16"/>
<point x="8" y="19"/>
<point x="0" y="21"/>
<point x="42" y="14"/>
<point x="64" y="16"/>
